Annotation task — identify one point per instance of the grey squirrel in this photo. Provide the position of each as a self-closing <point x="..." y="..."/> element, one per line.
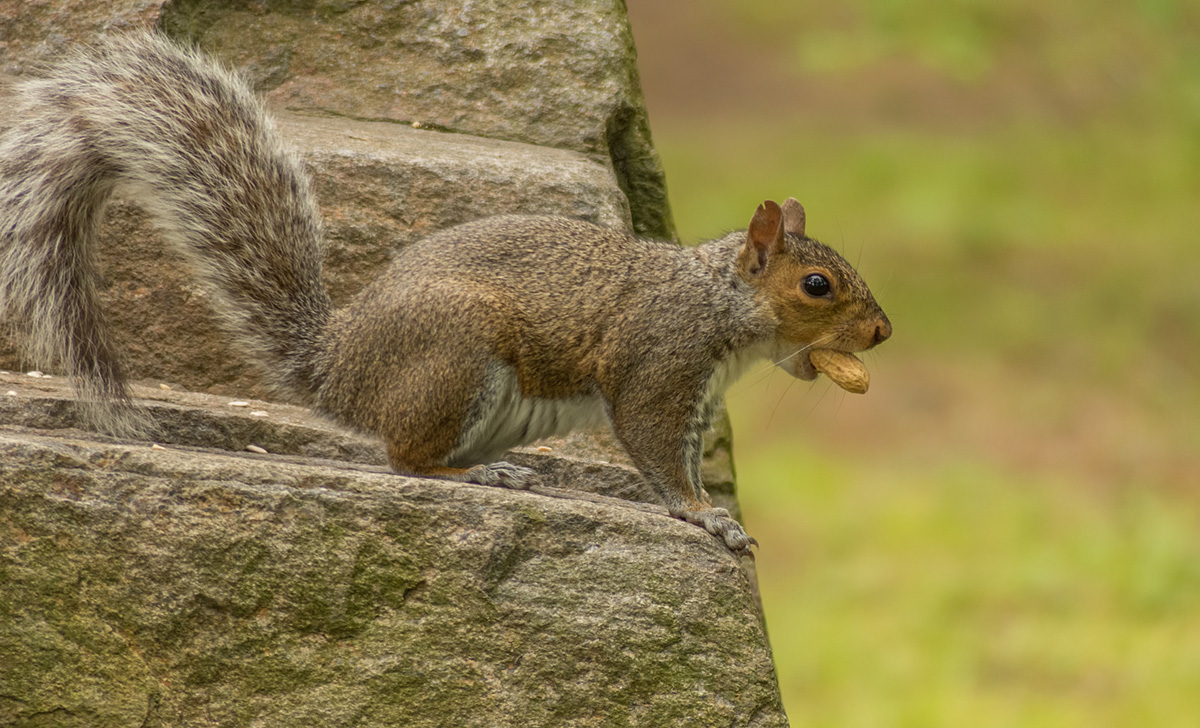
<point x="477" y="339"/>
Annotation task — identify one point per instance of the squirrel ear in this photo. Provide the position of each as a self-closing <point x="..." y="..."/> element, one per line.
<point x="764" y="237"/>
<point x="793" y="217"/>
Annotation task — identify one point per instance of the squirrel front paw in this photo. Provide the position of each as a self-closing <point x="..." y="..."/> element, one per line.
<point x="718" y="522"/>
<point x="503" y="475"/>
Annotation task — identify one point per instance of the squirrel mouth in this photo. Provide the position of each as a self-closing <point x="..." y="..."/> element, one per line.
<point x="793" y="358"/>
<point x="841" y="366"/>
<point x="803" y="368"/>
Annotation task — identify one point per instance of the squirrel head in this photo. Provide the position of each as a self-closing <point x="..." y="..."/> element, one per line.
<point x="817" y="298"/>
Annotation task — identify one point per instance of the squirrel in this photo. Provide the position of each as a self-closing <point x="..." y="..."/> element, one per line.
<point x="477" y="339"/>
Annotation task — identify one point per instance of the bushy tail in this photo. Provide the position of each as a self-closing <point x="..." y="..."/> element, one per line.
<point x="190" y="143"/>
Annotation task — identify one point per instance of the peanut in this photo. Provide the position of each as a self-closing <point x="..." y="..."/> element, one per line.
<point x="843" y="368"/>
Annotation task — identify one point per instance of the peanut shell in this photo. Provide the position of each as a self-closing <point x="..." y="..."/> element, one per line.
<point x="846" y="370"/>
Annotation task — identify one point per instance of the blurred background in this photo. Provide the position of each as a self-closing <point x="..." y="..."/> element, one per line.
<point x="1006" y="530"/>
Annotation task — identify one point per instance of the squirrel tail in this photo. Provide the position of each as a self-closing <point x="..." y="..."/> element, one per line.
<point x="190" y="143"/>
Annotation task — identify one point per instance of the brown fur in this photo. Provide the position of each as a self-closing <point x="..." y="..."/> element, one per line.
<point x="477" y="339"/>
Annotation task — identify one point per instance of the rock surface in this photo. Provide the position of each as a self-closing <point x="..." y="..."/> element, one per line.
<point x="177" y="586"/>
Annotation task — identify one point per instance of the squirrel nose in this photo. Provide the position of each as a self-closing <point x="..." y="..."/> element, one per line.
<point x="883" y="331"/>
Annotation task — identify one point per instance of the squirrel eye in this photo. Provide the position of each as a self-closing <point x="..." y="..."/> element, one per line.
<point x="816" y="285"/>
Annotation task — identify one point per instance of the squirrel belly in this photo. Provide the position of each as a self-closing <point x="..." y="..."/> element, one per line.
<point x="476" y="339"/>
<point x="501" y="417"/>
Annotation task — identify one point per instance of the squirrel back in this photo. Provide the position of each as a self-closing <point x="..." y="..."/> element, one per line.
<point x="191" y="143"/>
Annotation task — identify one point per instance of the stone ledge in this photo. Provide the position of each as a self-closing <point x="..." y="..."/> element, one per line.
<point x="584" y="462"/>
<point x="186" y="586"/>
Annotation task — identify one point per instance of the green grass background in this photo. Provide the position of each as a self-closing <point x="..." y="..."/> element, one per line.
<point x="1006" y="529"/>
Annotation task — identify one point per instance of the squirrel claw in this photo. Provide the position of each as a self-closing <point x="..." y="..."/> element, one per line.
<point x="503" y="475"/>
<point x="718" y="522"/>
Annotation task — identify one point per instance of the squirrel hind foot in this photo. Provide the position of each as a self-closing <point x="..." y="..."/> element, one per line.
<point x="499" y="474"/>
<point x="503" y="474"/>
<point x="719" y="523"/>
